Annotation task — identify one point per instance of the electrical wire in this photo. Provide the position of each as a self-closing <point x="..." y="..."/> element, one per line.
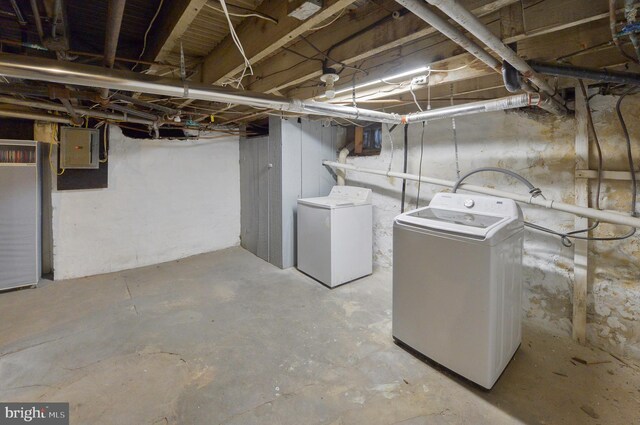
<point x="146" y="33"/>
<point x="236" y="41"/>
<point x="414" y="96"/>
<point x="455" y="137"/>
<point x="632" y="168"/>
<point x="244" y="15"/>
<point x="104" y="143"/>
<point x="327" y="57"/>
<point x="329" y="23"/>
<point x="56" y="143"/>
<point x="389" y="130"/>
<point x="597" y="143"/>
<point x="535" y="192"/>
<point x="420" y="165"/>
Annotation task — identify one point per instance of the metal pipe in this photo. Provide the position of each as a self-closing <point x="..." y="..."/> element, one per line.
<point x="603" y="75"/>
<point x="161" y="108"/>
<point x="75" y="118"/>
<point x="32" y="68"/>
<point x="57" y="6"/>
<point x="130" y="111"/>
<point x="600" y="215"/>
<point x="472" y="24"/>
<point x="18" y="12"/>
<point x="509" y="102"/>
<point x="115" y="12"/>
<point x="341" y="174"/>
<point x="82" y="111"/>
<point x="37" y="18"/>
<point x="34" y="116"/>
<point x="422" y="11"/>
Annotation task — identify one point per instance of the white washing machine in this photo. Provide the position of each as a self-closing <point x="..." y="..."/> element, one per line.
<point x="335" y="235"/>
<point x="457" y="283"/>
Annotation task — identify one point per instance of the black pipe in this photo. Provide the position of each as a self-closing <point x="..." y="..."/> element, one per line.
<point x="604" y="75"/>
<point x="511" y="78"/>
<point x="404" y="168"/>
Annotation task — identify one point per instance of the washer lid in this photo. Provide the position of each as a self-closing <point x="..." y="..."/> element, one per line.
<point x="450" y="221"/>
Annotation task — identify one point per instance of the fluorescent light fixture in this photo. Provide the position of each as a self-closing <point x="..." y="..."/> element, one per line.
<point x="387" y="79"/>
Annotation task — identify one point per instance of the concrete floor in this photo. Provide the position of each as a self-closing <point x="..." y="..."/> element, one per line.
<point x="225" y="338"/>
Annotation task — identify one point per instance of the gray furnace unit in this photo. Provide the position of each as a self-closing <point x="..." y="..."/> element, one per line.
<point x="20" y="214"/>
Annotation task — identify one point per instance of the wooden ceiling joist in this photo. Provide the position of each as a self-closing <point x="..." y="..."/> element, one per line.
<point x="173" y="21"/>
<point x="582" y="24"/>
<point x="261" y="38"/>
<point x="389" y="35"/>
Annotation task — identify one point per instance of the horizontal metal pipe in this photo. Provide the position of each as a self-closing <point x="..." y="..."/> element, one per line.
<point x="130" y="111"/>
<point x="604" y="216"/>
<point x="90" y="76"/>
<point x="472" y="24"/>
<point x="82" y="111"/>
<point x="150" y="105"/>
<point x="422" y="11"/>
<point x="34" y="116"/>
<point x="603" y="75"/>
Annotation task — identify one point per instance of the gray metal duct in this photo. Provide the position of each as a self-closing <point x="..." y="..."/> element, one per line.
<point x="422" y="11"/>
<point x="39" y="69"/>
<point x="471" y="23"/>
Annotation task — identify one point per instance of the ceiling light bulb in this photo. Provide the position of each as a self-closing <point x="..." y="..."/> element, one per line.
<point x="329" y="78"/>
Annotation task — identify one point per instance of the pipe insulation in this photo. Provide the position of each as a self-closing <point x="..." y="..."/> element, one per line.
<point x="600" y="215"/>
<point x="471" y="23"/>
<point x="39" y="69"/>
<point x="422" y="11"/>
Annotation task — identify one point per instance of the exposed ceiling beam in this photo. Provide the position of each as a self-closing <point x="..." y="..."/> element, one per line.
<point x="388" y="35"/>
<point x="174" y="20"/>
<point x="587" y="29"/>
<point x="261" y="38"/>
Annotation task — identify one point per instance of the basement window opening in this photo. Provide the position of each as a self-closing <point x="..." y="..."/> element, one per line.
<point x="364" y="140"/>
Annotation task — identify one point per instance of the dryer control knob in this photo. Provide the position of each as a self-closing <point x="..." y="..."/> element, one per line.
<point x="469" y="203"/>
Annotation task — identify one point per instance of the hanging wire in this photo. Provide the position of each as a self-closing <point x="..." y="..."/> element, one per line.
<point x="424" y="123"/>
<point x="455" y="137"/>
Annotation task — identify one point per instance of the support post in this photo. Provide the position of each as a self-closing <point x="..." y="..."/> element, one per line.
<point x="581" y="247"/>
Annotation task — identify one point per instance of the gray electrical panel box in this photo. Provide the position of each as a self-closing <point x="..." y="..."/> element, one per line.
<point x="79" y="148"/>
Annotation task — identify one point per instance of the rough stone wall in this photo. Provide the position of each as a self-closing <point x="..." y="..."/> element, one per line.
<point x="541" y="148"/>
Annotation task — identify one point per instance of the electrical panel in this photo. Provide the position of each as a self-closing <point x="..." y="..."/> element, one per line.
<point x="79" y="148"/>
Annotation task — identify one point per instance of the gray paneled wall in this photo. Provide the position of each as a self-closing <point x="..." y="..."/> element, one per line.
<point x="274" y="172"/>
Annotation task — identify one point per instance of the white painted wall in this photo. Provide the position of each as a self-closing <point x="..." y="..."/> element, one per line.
<point x="541" y="148"/>
<point x="166" y="200"/>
